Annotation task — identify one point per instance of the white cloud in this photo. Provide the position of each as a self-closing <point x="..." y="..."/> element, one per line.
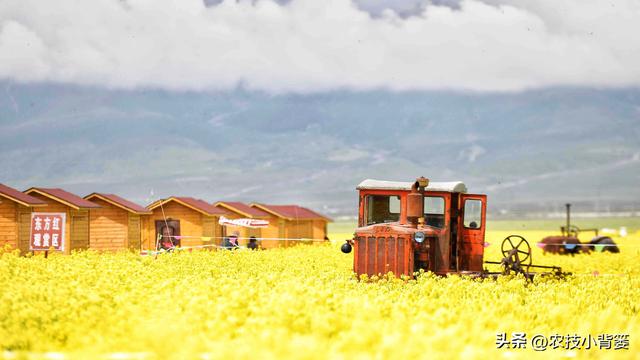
<point x="471" y="153"/>
<point x="310" y="45"/>
<point x="347" y="154"/>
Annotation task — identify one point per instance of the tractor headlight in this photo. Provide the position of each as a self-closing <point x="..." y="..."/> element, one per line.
<point x="418" y="237"/>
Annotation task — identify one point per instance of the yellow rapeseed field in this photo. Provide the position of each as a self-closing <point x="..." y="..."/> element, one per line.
<point x="304" y="302"/>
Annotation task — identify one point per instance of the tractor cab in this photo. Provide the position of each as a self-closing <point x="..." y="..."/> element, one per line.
<point x="407" y="226"/>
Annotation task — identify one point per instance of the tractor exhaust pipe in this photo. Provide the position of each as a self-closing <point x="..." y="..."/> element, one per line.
<point x="567" y="229"/>
<point x="415" y="202"/>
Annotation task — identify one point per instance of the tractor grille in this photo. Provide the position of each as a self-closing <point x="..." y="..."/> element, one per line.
<point x="378" y="256"/>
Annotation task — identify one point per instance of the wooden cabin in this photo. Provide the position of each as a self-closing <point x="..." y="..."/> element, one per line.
<point x="189" y="221"/>
<point x="15" y="218"/>
<point x="116" y="225"/>
<point x="76" y="209"/>
<point x="295" y="222"/>
<point x="239" y="210"/>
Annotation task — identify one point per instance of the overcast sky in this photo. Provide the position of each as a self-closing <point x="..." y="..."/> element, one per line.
<point x="311" y="45"/>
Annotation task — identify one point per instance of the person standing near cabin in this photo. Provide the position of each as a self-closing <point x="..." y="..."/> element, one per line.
<point x="253" y="243"/>
<point x="233" y="241"/>
<point x="166" y="239"/>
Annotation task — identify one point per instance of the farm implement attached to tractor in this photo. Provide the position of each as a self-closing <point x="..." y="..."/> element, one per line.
<point x="517" y="260"/>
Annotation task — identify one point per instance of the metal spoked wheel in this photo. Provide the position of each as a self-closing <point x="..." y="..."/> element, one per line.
<point x="518" y="243"/>
<point x="516" y="253"/>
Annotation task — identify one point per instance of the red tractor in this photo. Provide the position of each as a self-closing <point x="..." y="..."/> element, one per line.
<point x="407" y="226"/>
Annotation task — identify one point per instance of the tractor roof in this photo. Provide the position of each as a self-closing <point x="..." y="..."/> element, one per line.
<point x="451" y="186"/>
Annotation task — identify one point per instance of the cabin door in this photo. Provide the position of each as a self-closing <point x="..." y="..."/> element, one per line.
<point x="471" y="229"/>
<point x="168" y="229"/>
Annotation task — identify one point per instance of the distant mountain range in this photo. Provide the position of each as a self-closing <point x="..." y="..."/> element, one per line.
<point x="530" y="152"/>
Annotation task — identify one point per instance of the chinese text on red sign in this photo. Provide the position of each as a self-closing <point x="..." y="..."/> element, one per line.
<point x="47" y="231"/>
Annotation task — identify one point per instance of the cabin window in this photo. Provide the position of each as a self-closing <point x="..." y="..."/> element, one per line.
<point x="472" y="213"/>
<point x="434" y="211"/>
<point x="382" y="209"/>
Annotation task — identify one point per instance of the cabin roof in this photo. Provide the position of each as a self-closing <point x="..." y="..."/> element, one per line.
<point x="242" y="209"/>
<point x="451" y="186"/>
<point x="291" y="212"/>
<point x="198" y="205"/>
<point x="64" y="197"/>
<point x="119" y="202"/>
<point x="19" y="197"/>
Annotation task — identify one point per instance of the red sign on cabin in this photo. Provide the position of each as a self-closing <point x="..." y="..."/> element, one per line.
<point x="47" y="231"/>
